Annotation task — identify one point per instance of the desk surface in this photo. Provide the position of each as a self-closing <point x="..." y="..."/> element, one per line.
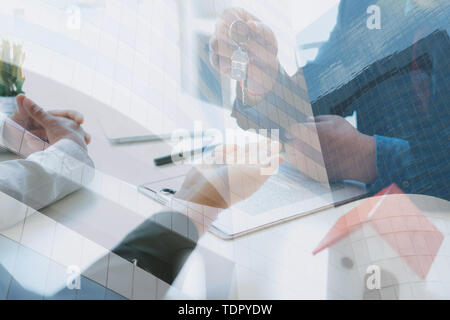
<point x="276" y="263"/>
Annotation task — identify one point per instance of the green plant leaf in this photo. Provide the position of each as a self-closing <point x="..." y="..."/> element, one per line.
<point x="11" y="79"/>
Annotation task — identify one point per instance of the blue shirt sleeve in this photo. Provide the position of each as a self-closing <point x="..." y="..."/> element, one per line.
<point x="394" y="163"/>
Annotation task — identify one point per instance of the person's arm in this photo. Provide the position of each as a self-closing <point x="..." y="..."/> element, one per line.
<point x="393" y="158"/>
<point x="163" y="251"/>
<point x="210" y="188"/>
<point x="46" y="176"/>
<point x="158" y="249"/>
<point x="417" y="167"/>
<point x="306" y="82"/>
<point x="48" y="173"/>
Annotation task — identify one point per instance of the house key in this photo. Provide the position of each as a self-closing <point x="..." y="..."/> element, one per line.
<point x="239" y="33"/>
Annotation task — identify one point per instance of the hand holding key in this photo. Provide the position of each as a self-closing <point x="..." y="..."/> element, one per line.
<point x="243" y="44"/>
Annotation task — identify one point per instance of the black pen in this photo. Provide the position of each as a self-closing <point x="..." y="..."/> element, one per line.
<point x="180" y="156"/>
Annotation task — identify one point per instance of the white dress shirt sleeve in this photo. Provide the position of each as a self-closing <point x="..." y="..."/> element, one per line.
<point x="43" y="177"/>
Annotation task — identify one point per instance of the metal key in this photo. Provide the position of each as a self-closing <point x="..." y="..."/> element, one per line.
<point x="239" y="34"/>
<point x="239" y="65"/>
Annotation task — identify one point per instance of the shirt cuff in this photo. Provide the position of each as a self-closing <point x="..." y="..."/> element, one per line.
<point x="71" y="148"/>
<point x="393" y="158"/>
<point x="68" y="160"/>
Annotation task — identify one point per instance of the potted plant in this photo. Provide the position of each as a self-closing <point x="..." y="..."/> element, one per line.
<point x="11" y="78"/>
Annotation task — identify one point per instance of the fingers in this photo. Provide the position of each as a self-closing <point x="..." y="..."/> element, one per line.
<point x="261" y="41"/>
<point x="246" y="26"/>
<point x="245" y="15"/>
<point x="20" y="98"/>
<point x="81" y="132"/>
<point x="222" y="64"/>
<point x="305" y="129"/>
<point x="49" y="122"/>
<point x="69" y="114"/>
<point x="198" y="188"/>
<point x="232" y="14"/>
<point x="37" y="113"/>
<point x="21" y="111"/>
<point x="323" y="118"/>
<point x="87" y="136"/>
<point x="257" y="155"/>
<point x="262" y="38"/>
<point x="261" y="46"/>
<point x="221" y="48"/>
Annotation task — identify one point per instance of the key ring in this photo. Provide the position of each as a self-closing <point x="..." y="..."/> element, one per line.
<point x="239" y="32"/>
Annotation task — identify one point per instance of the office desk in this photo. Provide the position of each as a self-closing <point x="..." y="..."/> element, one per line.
<point x="275" y="263"/>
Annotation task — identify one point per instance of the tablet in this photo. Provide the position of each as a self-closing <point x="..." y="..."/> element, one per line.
<point x="286" y="195"/>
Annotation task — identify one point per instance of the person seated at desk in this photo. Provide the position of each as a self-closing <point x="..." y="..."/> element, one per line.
<point x="403" y="120"/>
